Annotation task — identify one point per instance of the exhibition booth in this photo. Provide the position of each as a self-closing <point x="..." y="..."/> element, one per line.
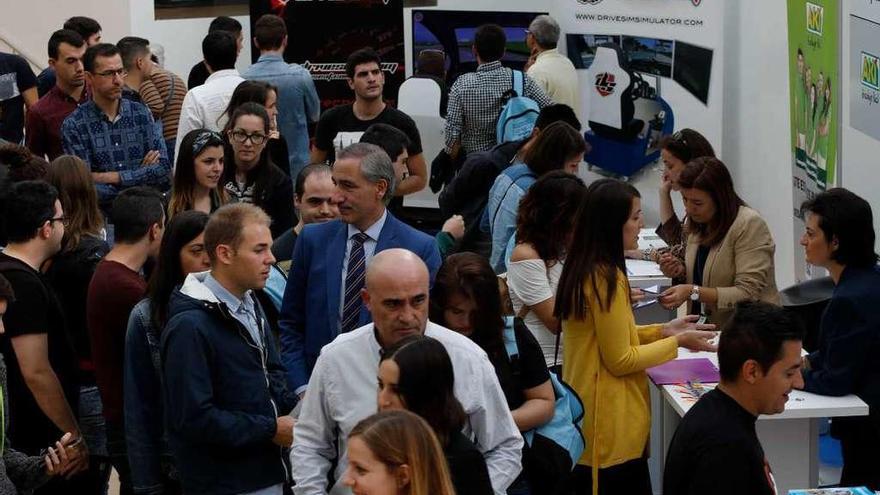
<point x="788" y="94"/>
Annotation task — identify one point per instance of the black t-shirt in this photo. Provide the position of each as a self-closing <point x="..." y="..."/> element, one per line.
<point x="339" y="127"/>
<point x="16" y="77"/>
<point x="699" y="267"/>
<point x="197" y="75"/>
<point x="35" y="311"/>
<point x="527" y="370"/>
<point x="716" y="450"/>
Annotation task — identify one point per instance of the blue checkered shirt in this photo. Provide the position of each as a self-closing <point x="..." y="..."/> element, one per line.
<point x="475" y="102"/>
<point x="118" y="146"/>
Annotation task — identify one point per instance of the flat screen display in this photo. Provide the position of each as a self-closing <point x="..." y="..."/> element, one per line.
<point x="693" y="69"/>
<point x="452" y="32"/>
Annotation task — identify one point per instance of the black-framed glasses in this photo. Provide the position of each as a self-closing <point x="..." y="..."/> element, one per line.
<point x="64" y="220"/>
<point x="256" y="138"/>
<point x="113" y="73"/>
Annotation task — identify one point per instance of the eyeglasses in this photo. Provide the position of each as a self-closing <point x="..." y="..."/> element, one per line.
<point x="64" y="221"/>
<point x="256" y="138"/>
<point x="113" y="73"/>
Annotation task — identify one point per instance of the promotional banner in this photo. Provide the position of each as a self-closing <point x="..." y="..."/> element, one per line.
<point x="864" y="68"/>
<point x="322" y="34"/>
<point x="674" y="47"/>
<point x="813" y="62"/>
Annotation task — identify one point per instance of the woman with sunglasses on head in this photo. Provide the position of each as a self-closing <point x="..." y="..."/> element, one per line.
<point x="839" y="237"/>
<point x="729" y="252"/>
<point x="249" y="174"/>
<point x="605" y="352"/>
<point x="395" y="453"/>
<point x="197" y="174"/>
<point x="267" y="95"/>
<point x="416" y="374"/>
<point x="675" y="151"/>
<point x="182" y="252"/>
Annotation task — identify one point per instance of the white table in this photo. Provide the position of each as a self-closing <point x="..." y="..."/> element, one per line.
<point x="654" y="313"/>
<point x="790" y="439"/>
<point x="648" y="239"/>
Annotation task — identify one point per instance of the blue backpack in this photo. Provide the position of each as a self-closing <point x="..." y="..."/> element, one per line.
<point x="562" y="434"/>
<point x="519" y="113"/>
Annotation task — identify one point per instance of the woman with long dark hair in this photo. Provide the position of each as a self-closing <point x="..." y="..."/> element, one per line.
<point x="69" y="274"/>
<point x="543" y="230"/>
<point x="466" y="299"/>
<point x="558" y="147"/>
<point x="729" y="253"/>
<point x="182" y="252"/>
<point x="416" y="374"/>
<point x="605" y="352"/>
<point x="264" y="94"/>
<point x="249" y="175"/>
<point x="197" y="174"/>
<point x="675" y="151"/>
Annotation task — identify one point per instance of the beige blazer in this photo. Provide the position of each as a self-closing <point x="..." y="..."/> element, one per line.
<point x="740" y="267"/>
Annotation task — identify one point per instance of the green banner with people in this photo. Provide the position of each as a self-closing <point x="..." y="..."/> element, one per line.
<point x="813" y="64"/>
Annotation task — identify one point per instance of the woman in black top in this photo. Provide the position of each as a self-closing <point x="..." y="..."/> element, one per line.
<point x="465" y="298"/>
<point x="69" y="273"/>
<point x="267" y="95"/>
<point x="249" y="174"/>
<point x="840" y="237"/>
<point x="416" y="374"/>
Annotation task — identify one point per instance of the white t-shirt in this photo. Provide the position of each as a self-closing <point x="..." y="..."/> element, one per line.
<point x="531" y="282"/>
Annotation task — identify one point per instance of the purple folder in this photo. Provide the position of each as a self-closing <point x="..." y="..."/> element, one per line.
<point x="684" y="370"/>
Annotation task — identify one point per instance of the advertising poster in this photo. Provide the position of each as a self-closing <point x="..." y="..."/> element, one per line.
<point x="864" y="68"/>
<point x="322" y="34"/>
<point x="813" y="62"/>
<point x="675" y="47"/>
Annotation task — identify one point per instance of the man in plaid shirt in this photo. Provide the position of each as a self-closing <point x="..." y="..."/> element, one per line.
<point x="475" y="100"/>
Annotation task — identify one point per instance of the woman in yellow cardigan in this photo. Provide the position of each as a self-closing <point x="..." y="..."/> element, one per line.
<point x="605" y="352"/>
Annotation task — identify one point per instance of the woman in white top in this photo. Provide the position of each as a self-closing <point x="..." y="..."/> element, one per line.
<point x="543" y="229"/>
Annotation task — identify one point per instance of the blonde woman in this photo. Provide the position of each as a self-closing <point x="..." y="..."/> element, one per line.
<point x="396" y="453"/>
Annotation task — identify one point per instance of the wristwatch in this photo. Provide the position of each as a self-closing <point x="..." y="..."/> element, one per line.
<point x="695" y="293"/>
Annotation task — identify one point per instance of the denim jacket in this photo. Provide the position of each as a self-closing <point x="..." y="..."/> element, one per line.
<point x="499" y="217"/>
<point x="148" y="450"/>
<point x="298" y="103"/>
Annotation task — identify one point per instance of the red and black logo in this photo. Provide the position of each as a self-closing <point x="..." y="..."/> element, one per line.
<point x="605" y="83"/>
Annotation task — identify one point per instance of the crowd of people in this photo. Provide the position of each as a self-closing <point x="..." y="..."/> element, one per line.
<point x="200" y="295"/>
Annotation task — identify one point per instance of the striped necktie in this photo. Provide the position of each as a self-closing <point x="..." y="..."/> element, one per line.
<point x="354" y="282"/>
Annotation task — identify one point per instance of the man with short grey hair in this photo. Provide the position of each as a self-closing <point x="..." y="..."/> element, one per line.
<point x="552" y="71"/>
<point x="322" y="297"/>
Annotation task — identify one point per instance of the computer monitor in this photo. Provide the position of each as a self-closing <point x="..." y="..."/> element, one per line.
<point x="649" y="55"/>
<point x="452" y="31"/>
<point x="693" y="69"/>
<point x="582" y="47"/>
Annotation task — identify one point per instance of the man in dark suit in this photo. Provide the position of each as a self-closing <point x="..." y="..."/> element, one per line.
<point x="322" y="298"/>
